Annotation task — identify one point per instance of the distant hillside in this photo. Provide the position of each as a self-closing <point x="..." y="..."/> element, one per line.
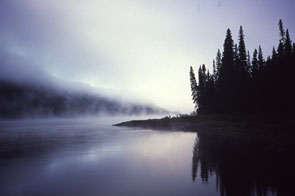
<point x="28" y="91"/>
<point x="17" y="101"/>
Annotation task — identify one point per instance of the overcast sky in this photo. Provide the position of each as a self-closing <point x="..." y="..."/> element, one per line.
<point x="138" y="49"/>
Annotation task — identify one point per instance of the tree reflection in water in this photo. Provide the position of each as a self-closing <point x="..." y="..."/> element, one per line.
<point x="244" y="167"/>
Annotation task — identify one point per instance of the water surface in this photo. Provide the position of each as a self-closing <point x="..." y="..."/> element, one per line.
<point x="91" y="157"/>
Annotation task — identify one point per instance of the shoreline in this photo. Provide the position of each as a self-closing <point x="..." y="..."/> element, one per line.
<point x="266" y="129"/>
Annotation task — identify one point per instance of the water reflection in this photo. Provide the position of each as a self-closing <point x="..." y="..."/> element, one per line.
<point x="88" y="158"/>
<point x="243" y="167"/>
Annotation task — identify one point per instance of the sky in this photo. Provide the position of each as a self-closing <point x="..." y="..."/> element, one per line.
<point x="136" y="49"/>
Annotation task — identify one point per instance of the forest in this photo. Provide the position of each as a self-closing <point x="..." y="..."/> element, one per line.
<point x="241" y="83"/>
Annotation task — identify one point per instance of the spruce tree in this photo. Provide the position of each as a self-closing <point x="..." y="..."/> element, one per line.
<point x="227" y="61"/>
<point x="228" y="53"/>
<point x="282" y="32"/>
<point x="260" y="59"/>
<point x="254" y="69"/>
<point x="242" y="51"/>
<point x="236" y="56"/>
<point x="201" y="88"/>
<point x="194" y="87"/>
<point x="228" y="74"/>
<point x="218" y="64"/>
<point x="288" y="44"/>
<point x="214" y="71"/>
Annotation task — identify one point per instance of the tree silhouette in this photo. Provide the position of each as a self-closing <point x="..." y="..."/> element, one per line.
<point x="260" y="59"/>
<point x="254" y="69"/>
<point x="241" y="84"/>
<point x="288" y="45"/>
<point x="194" y="87"/>
<point x="218" y="64"/>
<point x="242" y="53"/>
<point x="282" y="32"/>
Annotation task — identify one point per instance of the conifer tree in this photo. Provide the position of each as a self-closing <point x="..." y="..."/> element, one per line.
<point x="201" y="88"/>
<point x="236" y="56"/>
<point x="228" y="53"/>
<point x="254" y="69"/>
<point x="242" y="50"/>
<point x="282" y="32"/>
<point x="218" y="64"/>
<point x="260" y="59"/>
<point x="194" y="87"/>
<point x="214" y="71"/>
<point x="227" y="61"/>
<point x="228" y="74"/>
<point x="288" y="44"/>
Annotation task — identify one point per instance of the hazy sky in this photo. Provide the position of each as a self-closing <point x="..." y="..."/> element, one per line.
<point x="138" y="49"/>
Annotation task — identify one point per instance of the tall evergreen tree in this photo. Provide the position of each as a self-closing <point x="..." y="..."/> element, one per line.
<point x="214" y="71"/>
<point x="236" y="56"/>
<point x="288" y="44"/>
<point x="242" y="51"/>
<point x="260" y="59"/>
<point x="218" y="64"/>
<point x="228" y="74"/>
<point x="194" y="87"/>
<point x="201" y="88"/>
<point x="282" y="31"/>
<point x="227" y="61"/>
<point x="228" y="53"/>
<point x="254" y="69"/>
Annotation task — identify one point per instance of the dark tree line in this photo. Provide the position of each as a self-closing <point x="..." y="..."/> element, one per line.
<point x="27" y="100"/>
<point x="244" y="84"/>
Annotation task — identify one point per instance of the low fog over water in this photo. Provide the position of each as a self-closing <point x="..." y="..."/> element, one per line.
<point x="88" y="157"/>
<point x="28" y="91"/>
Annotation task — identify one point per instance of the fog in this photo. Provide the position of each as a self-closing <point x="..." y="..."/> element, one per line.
<point x="27" y="91"/>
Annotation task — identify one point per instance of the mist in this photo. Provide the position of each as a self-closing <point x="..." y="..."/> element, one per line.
<point x="28" y="91"/>
<point x="136" y="49"/>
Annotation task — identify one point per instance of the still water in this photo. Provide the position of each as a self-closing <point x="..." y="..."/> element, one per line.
<point x="91" y="157"/>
